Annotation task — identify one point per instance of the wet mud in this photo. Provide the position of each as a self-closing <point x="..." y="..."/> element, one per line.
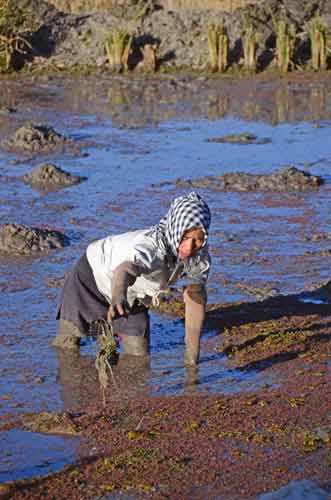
<point x="35" y="138"/>
<point x="16" y="239"/>
<point x="245" y="138"/>
<point x="288" y="179"/>
<point x="48" y="177"/>
<point x="188" y="444"/>
<point x="259" y="401"/>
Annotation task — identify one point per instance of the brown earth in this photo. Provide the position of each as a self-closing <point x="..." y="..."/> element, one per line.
<point x="17" y="239"/>
<point x="48" y="177"/>
<point x="75" y="41"/>
<point x="288" y="179"/>
<point x="34" y="138"/>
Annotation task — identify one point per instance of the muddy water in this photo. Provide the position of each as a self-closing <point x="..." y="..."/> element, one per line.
<point x="22" y="444"/>
<point x="261" y="243"/>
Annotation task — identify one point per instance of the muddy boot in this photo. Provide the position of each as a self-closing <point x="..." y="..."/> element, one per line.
<point x="134" y="345"/>
<point x="68" y="336"/>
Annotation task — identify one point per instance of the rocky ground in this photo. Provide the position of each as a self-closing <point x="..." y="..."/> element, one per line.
<point x="61" y="41"/>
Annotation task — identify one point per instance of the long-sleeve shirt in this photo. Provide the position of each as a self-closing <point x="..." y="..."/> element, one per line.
<point x="156" y="263"/>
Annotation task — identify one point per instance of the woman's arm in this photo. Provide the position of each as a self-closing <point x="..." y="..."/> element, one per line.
<point x="195" y="299"/>
<point x="124" y="276"/>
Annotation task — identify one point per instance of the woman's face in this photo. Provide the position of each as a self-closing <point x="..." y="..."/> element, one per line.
<point x="191" y="243"/>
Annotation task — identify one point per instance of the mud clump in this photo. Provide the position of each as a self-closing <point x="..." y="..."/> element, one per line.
<point x="171" y="304"/>
<point x="51" y="423"/>
<point x="6" y="110"/>
<point x="49" y="177"/>
<point x="288" y="179"/>
<point x="240" y="139"/>
<point x="36" y="138"/>
<point x="17" y="239"/>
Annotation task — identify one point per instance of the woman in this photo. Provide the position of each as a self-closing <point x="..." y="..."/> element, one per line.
<point x="120" y="276"/>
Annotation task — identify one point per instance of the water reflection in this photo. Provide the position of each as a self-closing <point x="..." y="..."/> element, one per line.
<point x="77" y="379"/>
<point x="79" y="383"/>
<point x="275" y="104"/>
<point x="161" y="373"/>
<point x="143" y="100"/>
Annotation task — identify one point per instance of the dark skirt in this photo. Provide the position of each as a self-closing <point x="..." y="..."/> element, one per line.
<point x="81" y="303"/>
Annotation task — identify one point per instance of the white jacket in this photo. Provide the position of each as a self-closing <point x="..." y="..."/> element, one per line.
<point x="141" y="248"/>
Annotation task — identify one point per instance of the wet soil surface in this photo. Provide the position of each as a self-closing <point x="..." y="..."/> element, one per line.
<point x="48" y="177"/>
<point x="289" y="179"/>
<point x="260" y="399"/>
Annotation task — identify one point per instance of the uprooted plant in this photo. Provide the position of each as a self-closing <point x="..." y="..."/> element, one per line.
<point x="13" y="33"/>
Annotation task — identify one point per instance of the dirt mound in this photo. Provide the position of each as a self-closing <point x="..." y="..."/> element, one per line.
<point x="240" y="139"/>
<point x="50" y="177"/>
<point x="287" y="179"/>
<point x="35" y="138"/>
<point x="17" y="239"/>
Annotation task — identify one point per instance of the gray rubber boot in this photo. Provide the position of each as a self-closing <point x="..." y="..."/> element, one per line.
<point x="134" y="345"/>
<point x="68" y="336"/>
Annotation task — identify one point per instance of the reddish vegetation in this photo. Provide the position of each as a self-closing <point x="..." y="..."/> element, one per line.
<point x="202" y="446"/>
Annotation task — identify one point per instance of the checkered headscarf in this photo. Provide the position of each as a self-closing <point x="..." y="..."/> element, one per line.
<point x="185" y="212"/>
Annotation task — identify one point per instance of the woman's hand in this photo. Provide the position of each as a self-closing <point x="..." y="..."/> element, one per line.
<point x="123" y="276"/>
<point x="115" y="310"/>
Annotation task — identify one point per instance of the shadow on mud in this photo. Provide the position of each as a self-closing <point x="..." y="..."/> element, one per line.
<point x="304" y="303"/>
<point x="315" y="303"/>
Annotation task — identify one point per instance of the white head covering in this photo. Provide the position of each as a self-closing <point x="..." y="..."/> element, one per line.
<point x="185" y="213"/>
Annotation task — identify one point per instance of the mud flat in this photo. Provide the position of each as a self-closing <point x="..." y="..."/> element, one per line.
<point x="288" y="179"/>
<point x="139" y="451"/>
<point x="260" y="399"/>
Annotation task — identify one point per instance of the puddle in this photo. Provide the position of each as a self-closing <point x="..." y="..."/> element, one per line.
<point x="163" y="374"/>
<point x="30" y="454"/>
<point x="213" y="375"/>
